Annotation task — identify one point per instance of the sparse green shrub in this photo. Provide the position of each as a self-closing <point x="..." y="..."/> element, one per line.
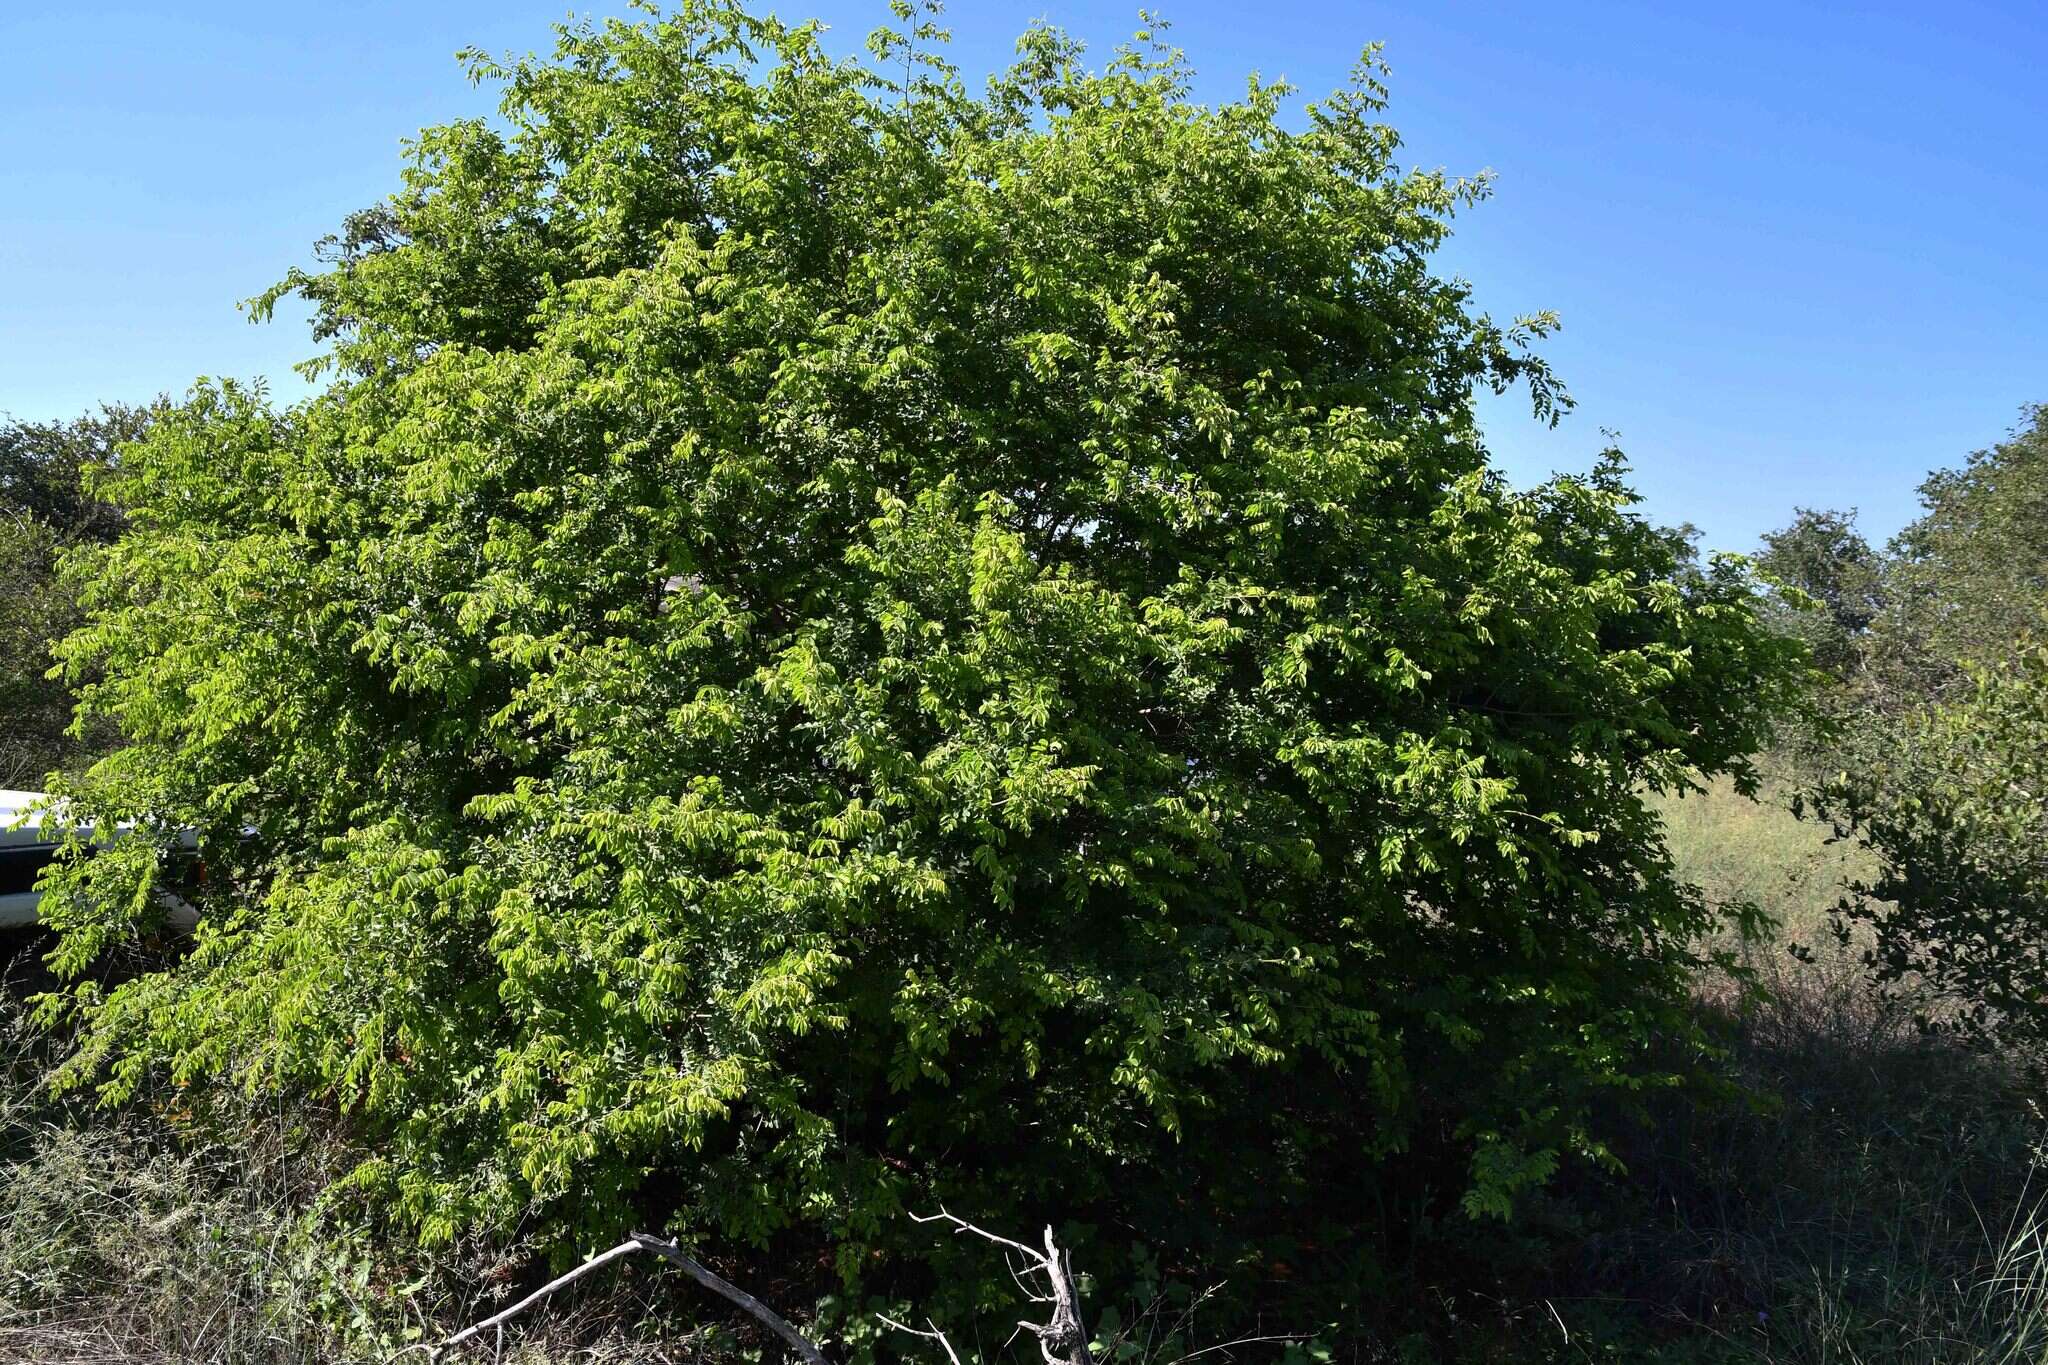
<point x="1952" y="802"/>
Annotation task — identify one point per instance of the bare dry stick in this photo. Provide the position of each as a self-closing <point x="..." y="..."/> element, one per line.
<point x="768" y="1317"/>
<point x="500" y="1319"/>
<point x="673" y="1253"/>
<point x="1062" y="1341"/>
<point x="934" y="1334"/>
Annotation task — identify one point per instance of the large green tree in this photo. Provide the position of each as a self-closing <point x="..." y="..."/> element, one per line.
<point x="1968" y="578"/>
<point x="1936" y="765"/>
<point x="1824" y="557"/>
<point x="833" y="642"/>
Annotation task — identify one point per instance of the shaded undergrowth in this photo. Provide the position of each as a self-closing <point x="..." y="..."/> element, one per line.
<point x="1855" y="1193"/>
<point x="1866" y="1193"/>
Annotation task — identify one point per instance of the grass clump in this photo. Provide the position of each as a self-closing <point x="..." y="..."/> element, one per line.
<point x="117" y="1242"/>
<point x="150" y="1235"/>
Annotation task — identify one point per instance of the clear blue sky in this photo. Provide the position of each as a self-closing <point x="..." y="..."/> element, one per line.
<point x="1801" y="250"/>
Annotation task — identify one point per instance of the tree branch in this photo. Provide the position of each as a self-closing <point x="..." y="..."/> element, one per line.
<point x="934" y="1334"/>
<point x="673" y="1253"/>
<point x="499" y="1319"/>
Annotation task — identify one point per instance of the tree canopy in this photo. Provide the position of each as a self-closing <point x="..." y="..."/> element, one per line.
<point x="1934" y="760"/>
<point x="1968" y="579"/>
<point x="1826" y="558"/>
<point x="833" y="641"/>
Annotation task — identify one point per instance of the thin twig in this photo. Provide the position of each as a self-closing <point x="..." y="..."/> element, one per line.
<point x="1289" y="1337"/>
<point x="625" y="1248"/>
<point x="1031" y="1254"/>
<point x="934" y="1334"/>
<point x="673" y="1253"/>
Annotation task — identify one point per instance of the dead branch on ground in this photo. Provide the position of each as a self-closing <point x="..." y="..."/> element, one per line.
<point x="672" y="1252"/>
<point x="1045" y="1277"/>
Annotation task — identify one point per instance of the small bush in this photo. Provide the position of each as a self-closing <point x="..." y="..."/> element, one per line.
<point x="1952" y="803"/>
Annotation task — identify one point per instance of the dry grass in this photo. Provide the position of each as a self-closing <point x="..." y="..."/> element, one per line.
<point x="137" y="1238"/>
<point x="1739" y="850"/>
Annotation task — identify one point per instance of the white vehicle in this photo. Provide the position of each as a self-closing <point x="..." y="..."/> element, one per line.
<point x="25" y="849"/>
<point x="23" y="853"/>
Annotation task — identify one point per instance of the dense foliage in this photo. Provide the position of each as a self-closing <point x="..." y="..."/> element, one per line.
<point x="1968" y="578"/>
<point x="45" y="508"/>
<point x="1841" y="578"/>
<point x="833" y="642"/>
<point x="1955" y="807"/>
<point x="1935" y="755"/>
